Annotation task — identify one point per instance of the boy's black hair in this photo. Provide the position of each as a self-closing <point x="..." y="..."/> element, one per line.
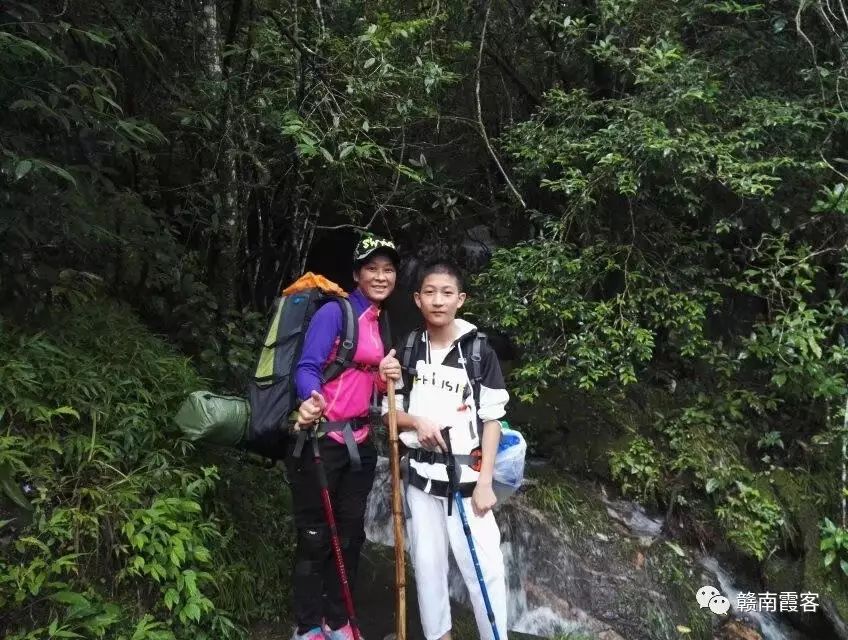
<point x="441" y="266"/>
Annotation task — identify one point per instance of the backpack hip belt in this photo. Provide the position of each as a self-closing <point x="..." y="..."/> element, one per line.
<point x="437" y="457"/>
<point x="346" y="427"/>
<point x="440" y="488"/>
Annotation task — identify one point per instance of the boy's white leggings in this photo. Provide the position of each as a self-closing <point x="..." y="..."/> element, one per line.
<point x="431" y="532"/>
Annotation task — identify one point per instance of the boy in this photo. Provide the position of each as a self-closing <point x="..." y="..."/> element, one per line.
<point x="441" y="393"/>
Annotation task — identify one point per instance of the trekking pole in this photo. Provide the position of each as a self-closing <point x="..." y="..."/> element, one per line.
<point x="397" y="516"/>
<point x="334" y="536"/>
<point x="453" y="482"/>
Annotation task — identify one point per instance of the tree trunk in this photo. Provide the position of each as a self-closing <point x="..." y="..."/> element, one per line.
<point x="223" y="249"/>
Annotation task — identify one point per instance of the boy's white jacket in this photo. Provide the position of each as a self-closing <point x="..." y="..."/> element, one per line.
<point x="441" y="391"/>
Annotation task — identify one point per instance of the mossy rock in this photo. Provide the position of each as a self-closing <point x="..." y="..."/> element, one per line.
<point x="570" y="501"/>
<point x="783" y="573"/>
<point x="640" y="587"/>
<point x="572" y="428"/>
<point x="793" y="491"/>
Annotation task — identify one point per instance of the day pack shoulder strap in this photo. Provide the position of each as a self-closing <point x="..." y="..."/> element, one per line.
<point x="477" y="358"/>
<point x="407" y="361"/>
<point x="347" y="343"/>
<point x="476" y="375"/>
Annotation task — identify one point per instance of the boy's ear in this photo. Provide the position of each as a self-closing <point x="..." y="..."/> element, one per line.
<point x="461" y="298"/>
<point x="417" y="297"/>
<point x="356" y="276"/>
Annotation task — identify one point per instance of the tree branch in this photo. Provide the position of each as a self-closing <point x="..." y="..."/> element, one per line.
<point x="480" y="110"/>
<point x="290" y="37"/>
<point x="504" y="66"/>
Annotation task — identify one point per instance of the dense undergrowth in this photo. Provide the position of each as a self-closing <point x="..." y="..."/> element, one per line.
<point x="111" y="526"/>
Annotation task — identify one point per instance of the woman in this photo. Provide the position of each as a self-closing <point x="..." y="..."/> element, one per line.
<point x="347" y="451"/>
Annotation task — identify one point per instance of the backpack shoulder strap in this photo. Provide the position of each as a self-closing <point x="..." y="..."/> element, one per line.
<point x="477" y="358"/>
<point x="385" y="326"/>
<point x="407" y="364"/>
<point x="347" y="343"/>
<point x="476" y="375"/>
<point x="407" y="360"/>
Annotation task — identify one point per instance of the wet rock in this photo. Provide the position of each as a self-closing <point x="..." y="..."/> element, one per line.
<point x="737" y="630"/>
<point x="793" y="490"/>
<point x="573" y="569"/>
<point x="834" y="617"/>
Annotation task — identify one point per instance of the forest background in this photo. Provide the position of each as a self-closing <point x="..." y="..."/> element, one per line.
<point x="651" y="193"/>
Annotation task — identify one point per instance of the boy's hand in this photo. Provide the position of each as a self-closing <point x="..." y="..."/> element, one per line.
<point x="310" y="410"/>
<point x="390" y="367"/>
<point x="483" y="499"/>
<point x="429" y="434"/>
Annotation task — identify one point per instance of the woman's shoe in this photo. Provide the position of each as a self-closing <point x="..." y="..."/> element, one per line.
<point x="313" y="634"/>
<point x="342" y="633"/>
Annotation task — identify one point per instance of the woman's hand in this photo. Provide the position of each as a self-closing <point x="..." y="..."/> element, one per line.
<point x="390" y="367"/>
<point x="429" y="434"/>
<point x="483" y="499"/>
<point x="310" y="410"/>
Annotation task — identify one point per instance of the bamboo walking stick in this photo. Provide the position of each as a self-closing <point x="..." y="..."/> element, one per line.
<point x="397" y="516"/>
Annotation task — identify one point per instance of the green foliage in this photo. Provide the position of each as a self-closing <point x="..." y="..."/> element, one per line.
<point x="64" y="119"/>
<point x="750" y="519"/>
<point x="549" y="297"/>
<point x="566" y="501"/>
<point x="185" y="166"/>
<point x="689" y="220"/>
<point x="796" y="341"/>
<point x="683" y="164"/>
<point x="126" y="538"/>
<point x="700" y="443"/>
<point x="834" y="545"/>
<point x="638" y="469"/>
<point x="704" y="441"/>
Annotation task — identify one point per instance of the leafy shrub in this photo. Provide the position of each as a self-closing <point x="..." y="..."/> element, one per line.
<point x="638" y="469"/>
<point x="834" y="545"/>
<point x="751" y="519"/>
<point x="125" y="537"/>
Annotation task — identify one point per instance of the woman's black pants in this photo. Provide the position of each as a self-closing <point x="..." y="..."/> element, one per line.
<point x="315" y="583"/>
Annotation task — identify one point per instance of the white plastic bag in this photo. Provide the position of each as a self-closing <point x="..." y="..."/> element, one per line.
<point x="509" y="462"/>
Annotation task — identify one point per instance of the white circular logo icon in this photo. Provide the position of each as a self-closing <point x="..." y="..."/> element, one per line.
<point x="719" y="605"/>
<point x="705" y="594"/>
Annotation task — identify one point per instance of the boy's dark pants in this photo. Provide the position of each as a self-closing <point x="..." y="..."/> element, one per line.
<point x="315" y="582"/>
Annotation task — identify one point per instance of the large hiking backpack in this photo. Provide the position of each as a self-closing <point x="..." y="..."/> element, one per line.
<point x="271" y="391"/>
<point x="259" y="423"/>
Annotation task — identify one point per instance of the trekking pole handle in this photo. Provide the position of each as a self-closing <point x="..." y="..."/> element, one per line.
<point x="451" y="465"/>
<point x="453" y="476"/>
<point x="445" y="431"/>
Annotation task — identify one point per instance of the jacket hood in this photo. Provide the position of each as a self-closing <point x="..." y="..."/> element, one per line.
<point x="465" y="329"/>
